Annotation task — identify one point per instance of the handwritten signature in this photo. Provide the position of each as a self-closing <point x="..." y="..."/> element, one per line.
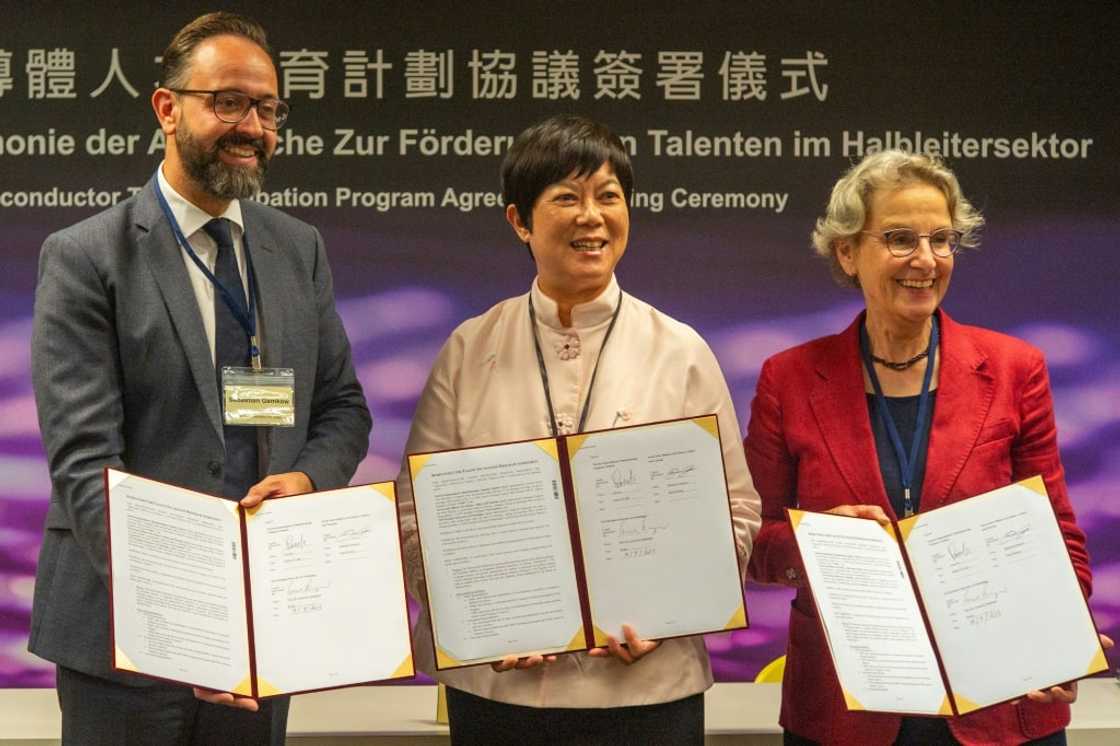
<point x="311" y="608"/>
<point x="639" y="528"/>
<point x="983" y="617"/>
<point x="349" y="533"/>
<point x="623" y="477"/>
<point x="957" y="550"/>
<point x="982" y="593"/>
<point x="306" y="586"/>
<point x="1010" y="536"/>
<point x="975" y="596"/>
<point x="295" y="541"/>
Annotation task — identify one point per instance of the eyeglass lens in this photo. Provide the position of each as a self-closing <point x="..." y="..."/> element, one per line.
<point x="904" y="241"/>
<point x="233" y="106"/>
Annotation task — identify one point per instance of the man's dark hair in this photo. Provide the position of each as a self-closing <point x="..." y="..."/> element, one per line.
<point x="177" y="56"/>
<point x="553" y="149"/>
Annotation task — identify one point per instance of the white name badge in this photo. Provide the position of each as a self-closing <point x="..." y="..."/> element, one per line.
<point x="259" y="396"/>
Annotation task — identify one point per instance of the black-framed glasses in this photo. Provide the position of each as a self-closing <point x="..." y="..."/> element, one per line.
<point x="902" y="242"/>
<point x="233" y="106"/>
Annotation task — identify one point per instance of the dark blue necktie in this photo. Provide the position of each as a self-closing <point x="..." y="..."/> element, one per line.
<point x="231" y="347"/>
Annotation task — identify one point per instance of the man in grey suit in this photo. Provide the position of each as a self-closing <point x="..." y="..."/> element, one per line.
<point x="136" y="311"/>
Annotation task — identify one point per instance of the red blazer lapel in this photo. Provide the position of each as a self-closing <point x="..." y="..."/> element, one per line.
<point x="839" y="405"/>
<point x="965" y="390"/>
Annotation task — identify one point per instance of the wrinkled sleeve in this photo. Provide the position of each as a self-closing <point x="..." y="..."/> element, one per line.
<point x="1035" y="451"/>
<point x="76" y="374"/>
<point x="338" y="430"/>
<point x="708" y="392"/>
<point x="433" y="429"/>
<point x="775" y="475"/>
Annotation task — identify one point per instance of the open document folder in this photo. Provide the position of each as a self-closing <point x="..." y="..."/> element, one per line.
<point x="298" y="594"/>
<point x="952" y="610"/>
<point x="547" y="546"/>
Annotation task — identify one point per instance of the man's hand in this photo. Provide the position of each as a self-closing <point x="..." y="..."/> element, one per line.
<point x="227" y="699"/>
<point x="277" y="485"/>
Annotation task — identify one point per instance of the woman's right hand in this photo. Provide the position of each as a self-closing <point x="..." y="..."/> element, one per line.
<point x="874" y="512"/>
<point x="511" y="662"/>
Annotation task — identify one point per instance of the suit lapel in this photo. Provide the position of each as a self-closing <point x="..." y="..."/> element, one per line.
<point x="157" y="244"/>
<point x="964" y="397"/>
<point x="840" y="407"/>
<point x="269" y="284"/>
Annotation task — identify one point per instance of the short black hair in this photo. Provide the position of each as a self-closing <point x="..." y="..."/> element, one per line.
<point x="554" y="148"/>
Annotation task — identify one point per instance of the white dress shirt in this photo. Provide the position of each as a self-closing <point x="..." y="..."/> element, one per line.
<point x="191" y="219"/>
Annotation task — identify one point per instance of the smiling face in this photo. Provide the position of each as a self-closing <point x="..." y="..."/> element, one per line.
<point x="900" y="293"/>
<point x="580" y="226"/>
<point x="210" y="161"/>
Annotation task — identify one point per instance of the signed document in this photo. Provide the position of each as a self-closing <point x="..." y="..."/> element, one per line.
<point x="952" y="610"/>
<point x="299" y="594"/>
<point x="548" y="546"/>
<point x="655" y="527"/>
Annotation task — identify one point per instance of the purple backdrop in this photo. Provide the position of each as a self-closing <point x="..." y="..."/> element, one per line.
<point x="744" y="277"/>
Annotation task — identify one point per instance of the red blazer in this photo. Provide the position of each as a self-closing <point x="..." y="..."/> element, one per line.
<point x="809" y="445"/>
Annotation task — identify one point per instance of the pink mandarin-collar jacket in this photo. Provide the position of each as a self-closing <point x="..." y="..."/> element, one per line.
<point x="485" y="387"/>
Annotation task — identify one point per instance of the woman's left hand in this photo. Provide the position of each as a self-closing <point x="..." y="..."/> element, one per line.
<point x="630" y="652"/>
<point x="1065" y="694"/>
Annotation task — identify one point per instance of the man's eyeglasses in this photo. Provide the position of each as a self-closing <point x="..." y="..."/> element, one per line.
<point x="902" y="242"/>
<point x="233" y="106"/>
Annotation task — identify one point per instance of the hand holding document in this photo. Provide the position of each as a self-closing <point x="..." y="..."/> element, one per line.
<point x="297" y="594"/>
<point x="629" y="650"/>
<point x="549" y="546"/>
<point x="932" y="615"/>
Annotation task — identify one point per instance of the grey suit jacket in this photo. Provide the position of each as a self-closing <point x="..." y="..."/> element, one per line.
<point x="124" y="378"/>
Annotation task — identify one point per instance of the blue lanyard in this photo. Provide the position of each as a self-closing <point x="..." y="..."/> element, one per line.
<point x="906" y="465"/>
<point x="246" y="317"/>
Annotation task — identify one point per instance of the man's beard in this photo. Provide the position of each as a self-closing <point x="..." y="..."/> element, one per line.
<point x="216" y="178"/>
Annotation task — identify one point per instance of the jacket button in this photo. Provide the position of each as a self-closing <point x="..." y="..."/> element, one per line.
<point x="215" y="469"/>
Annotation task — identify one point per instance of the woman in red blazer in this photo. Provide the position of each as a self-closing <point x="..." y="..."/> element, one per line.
<point x="820" y="438"/>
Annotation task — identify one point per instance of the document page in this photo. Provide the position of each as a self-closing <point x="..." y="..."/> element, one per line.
<point x="497" y="552"/>
<point x="177" y="584"/>
<point x="1003" y="601"/>
<point x="327" y="587"/>
<point x="655" y="525"/>
<point x="879" y="645"/>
